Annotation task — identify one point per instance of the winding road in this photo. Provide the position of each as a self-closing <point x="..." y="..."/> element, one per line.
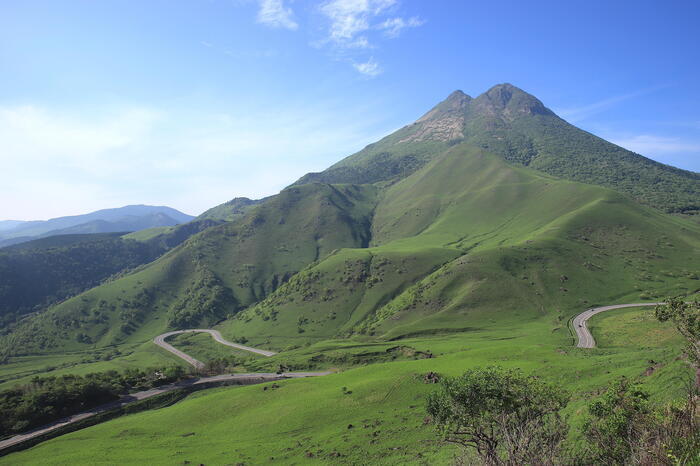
<point x="585" y="339"/>
<point x="160" y="341"/>
<point x="252" y="378"/>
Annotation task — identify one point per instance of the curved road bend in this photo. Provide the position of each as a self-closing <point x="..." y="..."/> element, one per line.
<point x="160" y="341"/>
<point x="241" y="378"/>
<point x="585" y="339"/>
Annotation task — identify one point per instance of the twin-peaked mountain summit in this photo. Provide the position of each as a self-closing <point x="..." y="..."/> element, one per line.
<point x="516" y="126"/>
<point x="485" y="211"/>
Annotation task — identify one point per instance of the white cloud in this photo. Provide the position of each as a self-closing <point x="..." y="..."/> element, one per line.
<point x="30" y="136"/>
<point x="351" y="24"/>
<point x="273" y="13"/>
<point x="370" y="68"/>
<point x="392" y="27"/>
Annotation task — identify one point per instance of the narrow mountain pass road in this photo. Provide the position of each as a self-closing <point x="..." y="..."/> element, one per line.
<point x="585" y="339"/>
<point x="160" y="341"/>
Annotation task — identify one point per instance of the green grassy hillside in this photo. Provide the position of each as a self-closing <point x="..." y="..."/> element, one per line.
<point x="231" y="210"/>
<point x="39" y="273"/>
<point x="370" y="413"/>
<point x="471" y="242"/>
<point x="427" y="252"/>
<point x="466" y="241"/>
<point x="34" y="276"/>
<point x="208" y="278"/>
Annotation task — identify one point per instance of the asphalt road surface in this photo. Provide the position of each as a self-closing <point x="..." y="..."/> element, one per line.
<point x="160" y="341"/>
<point x="585" y="339"/>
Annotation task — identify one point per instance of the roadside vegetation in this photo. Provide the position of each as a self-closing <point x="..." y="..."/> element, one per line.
<point x="374" y="410"/>
<point x="47" y="399"/>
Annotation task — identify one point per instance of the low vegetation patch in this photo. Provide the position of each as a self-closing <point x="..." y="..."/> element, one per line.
<point x="44" y="400"/>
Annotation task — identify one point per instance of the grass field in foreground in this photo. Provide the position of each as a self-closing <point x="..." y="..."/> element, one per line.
<point x="366" y="414"/>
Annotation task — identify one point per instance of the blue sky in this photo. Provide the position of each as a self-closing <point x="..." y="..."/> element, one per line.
<point x="190" y="103"/>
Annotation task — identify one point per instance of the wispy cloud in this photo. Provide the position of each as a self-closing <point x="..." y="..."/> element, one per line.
<point x="273" y="13"/>
<point x="652" y="144"/>
<point x="392" y="27"/>
<point x="370" y="68"/>
<point x="576" y="114"/>
<point x="354" y="25"/>
<point x="349" y="19"/>
<point x="191" y="161"/>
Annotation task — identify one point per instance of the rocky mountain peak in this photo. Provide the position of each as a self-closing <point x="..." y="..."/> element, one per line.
<point x="509" y="102"/>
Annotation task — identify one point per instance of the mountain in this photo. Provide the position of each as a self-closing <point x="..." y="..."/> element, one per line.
<point x="41" y="272"/>
<point x="128" y="218"/>
<point x="516" y="126"/>
<point x="474" y="216"/>
<point x="9" y="224"/>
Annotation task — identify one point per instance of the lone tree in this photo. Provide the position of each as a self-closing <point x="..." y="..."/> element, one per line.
<point x="507" y="417"/>
<point x="686" y="317"/>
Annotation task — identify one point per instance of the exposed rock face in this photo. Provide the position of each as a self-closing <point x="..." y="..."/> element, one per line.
<point x="445" y="122"/>
<point x="508" y="102"/>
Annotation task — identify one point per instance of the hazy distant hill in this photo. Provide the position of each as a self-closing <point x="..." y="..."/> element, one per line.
<point x="9" y="224"/>
<point x="129" y="218"/>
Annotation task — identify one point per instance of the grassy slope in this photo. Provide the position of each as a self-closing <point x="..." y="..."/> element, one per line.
<point x="231" y="210"/>
<point x="385" y="406"/>
<point x="636" y="328"/>
<point x="42" y="272"/>
<point x="39" y="273"/>
<point x="465" y="242"/>
<point x="148" y="233"/>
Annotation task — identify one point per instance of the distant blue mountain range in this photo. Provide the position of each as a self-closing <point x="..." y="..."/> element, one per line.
<point x="122" y="219"/>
